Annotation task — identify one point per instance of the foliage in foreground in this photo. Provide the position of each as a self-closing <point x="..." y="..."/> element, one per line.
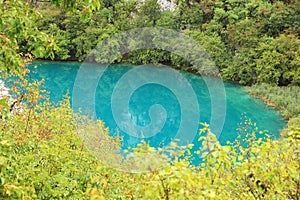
<point x="42" y="156"/>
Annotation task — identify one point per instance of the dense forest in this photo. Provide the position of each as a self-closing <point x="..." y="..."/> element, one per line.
<point x="42" y="156"/>
<point x="250" y="41"/>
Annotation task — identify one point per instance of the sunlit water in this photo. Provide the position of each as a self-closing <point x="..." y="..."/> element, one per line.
<point x="59" y="79"/>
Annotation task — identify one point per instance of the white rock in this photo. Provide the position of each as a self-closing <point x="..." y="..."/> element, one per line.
<point x="167" y="5"/>
<point x="4" y="91"/>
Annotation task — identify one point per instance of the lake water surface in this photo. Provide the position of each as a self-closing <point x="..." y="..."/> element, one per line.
<point x="60" y="77"/>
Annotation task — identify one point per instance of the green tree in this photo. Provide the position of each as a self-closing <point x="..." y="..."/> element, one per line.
<point x="148" y="13"/>
<point x="278" y="62"/>
<point x="18" y="26"/>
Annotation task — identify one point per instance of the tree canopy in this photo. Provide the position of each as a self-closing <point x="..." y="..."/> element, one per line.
<point x="250" y="41"/>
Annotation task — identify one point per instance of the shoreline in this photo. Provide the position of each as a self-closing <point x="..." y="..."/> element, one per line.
<point x="264" y="99"/>
<point x="291" y="125"/>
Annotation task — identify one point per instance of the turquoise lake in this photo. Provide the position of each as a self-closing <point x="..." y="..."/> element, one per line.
<point x="59" y="78"/>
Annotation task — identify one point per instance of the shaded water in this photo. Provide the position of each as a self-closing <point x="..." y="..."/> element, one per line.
<point x="60" y="77"/>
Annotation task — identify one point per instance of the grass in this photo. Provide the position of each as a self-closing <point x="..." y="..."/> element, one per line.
<point x="285" y="99"/>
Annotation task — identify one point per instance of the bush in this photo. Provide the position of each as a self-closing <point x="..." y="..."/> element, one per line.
<point x="49" y="153"/>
